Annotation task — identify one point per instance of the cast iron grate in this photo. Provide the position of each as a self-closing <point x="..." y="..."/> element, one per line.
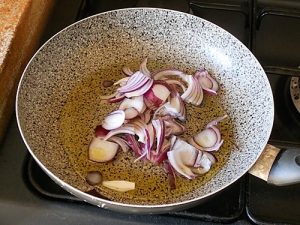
<point x="227" y="206"/>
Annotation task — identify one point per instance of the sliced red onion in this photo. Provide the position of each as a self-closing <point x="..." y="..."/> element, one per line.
<point x="122" y="81"/>
<point x="121" y="130"/>
<point x="193" y="93"/>
<point x="197" y="162"/>
<point x="173" y="140"/>
<point x="171" y="174"/>
<point x="186" y="152"/>
<point x="156" y="96"/>
<point x="175" y="108"/>
<point x="162" y="155"/>
<point x="136" y="81"/>
<point x="121" y="142"/>
<point x="143" y="155"/>
<point x="210" y="138"/>
<point x="100" y="132"/>
<point x="216" y="121"/>
<point x="181" y="156"/>
<point x="130" y="113"/>
<point x="147" y="115"/>
<point x="173" y="127"/>
<point x="178" y="165"/>
<point x="142" y="90"/>
<point x="134" y="102"/>
<point x="127" y="71"/>
<point x="143" y="67"/>
<point x="101" y="150"/>
<point x="106" y="97"/>
<point x="114" y="120"/>
<point x="166" y="73"/>
<point x="152" y="133"/>
<point x="133" y="144"/>
<point x="207" y="138"/>
<point x="209" y="85"/>
<point x="176" y="82"/>
<point x="159" y="127"/>
<point x="139" y="129"/>
<point x="116" y="99"/>
<point x="148" y="144"/>
<point x="204" y="163"/>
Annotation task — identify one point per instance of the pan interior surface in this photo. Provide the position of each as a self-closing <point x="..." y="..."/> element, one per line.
<point x="58" y="102"/>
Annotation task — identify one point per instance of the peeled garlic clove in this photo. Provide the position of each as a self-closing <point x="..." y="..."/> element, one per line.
<point x="119" y="185"/>
<point x="93" y="178"/>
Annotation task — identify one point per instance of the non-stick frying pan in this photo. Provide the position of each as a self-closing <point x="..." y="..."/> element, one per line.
<point x="58" y="98"/>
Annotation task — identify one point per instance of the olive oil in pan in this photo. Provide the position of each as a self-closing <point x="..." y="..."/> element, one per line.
<point x="84" y="110"/>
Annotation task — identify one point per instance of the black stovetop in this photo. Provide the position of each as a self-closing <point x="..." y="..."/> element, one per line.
<point x="28" y="196"/>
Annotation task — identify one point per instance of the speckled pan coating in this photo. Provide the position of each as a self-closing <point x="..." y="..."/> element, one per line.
<point x="108" y="40"/>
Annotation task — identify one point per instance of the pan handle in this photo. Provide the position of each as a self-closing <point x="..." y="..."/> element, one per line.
<point x="278" y="166"/>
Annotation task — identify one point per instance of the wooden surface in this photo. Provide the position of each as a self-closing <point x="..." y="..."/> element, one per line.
<point x="21" y="26"/>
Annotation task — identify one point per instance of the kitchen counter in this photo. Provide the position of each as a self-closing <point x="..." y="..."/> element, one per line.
<point x="21" y="26"/>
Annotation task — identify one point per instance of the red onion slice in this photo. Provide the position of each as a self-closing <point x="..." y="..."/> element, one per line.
<point x="130" y="113"/>
<point x="171" y="174"/>
<point x="156" y="96"/>
<point x="122" y="81"/>
<point x="143" y="67"/>
<point x="210" y="138"/>
<point x="121" y="142"/>
<point x="142" y="90"/>
<point x="121" y="130"/>
<point x="100" y="132"/>
<point x="186" y="152"/>
<point x="116" y="99"/>
<point x="134" y="82"/>
<point x="209" y="85"/>
<point x="162" y="155"/>
<point x="173" y="127"/>
<point x="134" y="102"/>
<point x="141" y="157"/>
<point x="193" y="93"/>
<point x="127" y="71"/>
<point x="167" y="72"/>
<point x="133" y="144"/>
<point x="216" y="121"/>
<point x="181" y="156"/>
<point x="114" y="120"/>
<point x="175" y="108"/>
<point x="152" y="133"/>
<point x="204" y="164"/>
<point x="147" y="115"/>
<point x="139" y="129"/>
<point x="177" y="82"/>
<point x="178" y="165"/>
<point x="106" y="97"/>
<point x="159" y="127"/>
<point x="148" y="144"/>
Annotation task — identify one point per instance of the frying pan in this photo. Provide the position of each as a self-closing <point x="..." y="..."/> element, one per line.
<point x="96" y="48"/>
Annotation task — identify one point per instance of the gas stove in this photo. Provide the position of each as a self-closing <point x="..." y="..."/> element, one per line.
<point x="271" y="30"/>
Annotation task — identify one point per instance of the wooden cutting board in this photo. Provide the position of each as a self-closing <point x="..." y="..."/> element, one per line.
<point x="21" y="26"/>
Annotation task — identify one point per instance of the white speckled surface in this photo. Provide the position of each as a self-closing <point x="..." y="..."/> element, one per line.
<point x="108" y="40"/>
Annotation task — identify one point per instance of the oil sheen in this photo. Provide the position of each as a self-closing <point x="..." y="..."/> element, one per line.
<point x="84" y="110"/>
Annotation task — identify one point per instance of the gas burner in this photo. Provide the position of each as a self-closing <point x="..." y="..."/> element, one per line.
<point x="295" y="92"/>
